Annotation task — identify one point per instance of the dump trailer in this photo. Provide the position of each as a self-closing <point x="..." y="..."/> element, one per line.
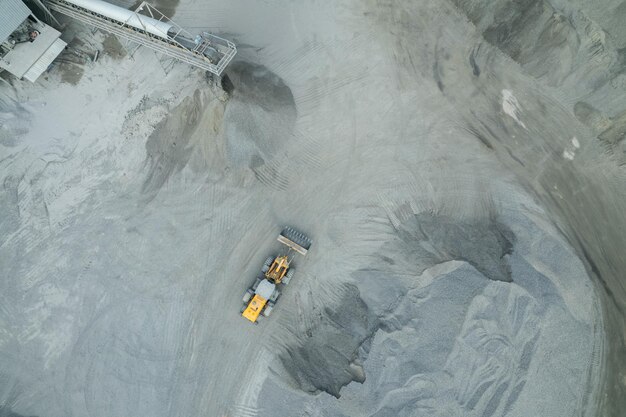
<point x="260" y="299"/>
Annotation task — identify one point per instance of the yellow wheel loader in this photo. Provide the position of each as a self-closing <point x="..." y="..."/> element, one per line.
<point x="260" y="298"/>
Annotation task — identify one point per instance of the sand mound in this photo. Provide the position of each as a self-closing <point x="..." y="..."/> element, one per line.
<point x="259" y="117"/>
<point x="453" y="317"/>
<point x="329" y="357"/>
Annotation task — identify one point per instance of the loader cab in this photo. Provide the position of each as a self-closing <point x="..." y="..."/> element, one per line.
<point x="261" y="297"/>
<point x="254" y="309"/>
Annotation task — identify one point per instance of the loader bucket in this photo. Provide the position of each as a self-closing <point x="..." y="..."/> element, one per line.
<point x="295" y="240"/>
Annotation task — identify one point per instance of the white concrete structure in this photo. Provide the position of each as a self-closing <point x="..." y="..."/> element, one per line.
<point x="27" y="45"/>
<point x="12" y="14"/>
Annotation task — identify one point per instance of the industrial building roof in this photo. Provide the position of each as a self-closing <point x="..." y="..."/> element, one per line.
<point x="30" y="59"/>
<point x="12" y="14"/>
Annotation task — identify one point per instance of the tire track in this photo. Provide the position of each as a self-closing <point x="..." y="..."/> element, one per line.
<point x="270" y="175"/>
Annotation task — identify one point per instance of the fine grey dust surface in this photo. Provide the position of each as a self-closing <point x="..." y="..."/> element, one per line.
<point x="458" y="165"/>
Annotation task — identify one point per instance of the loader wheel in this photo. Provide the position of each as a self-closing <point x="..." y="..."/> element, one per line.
<point x="247" y="296"/>
<point x="288" y="276"/>
<point x="267" y="263"/>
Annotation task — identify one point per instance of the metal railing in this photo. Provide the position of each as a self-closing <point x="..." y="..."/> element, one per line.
<point x="174" y="46"/>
